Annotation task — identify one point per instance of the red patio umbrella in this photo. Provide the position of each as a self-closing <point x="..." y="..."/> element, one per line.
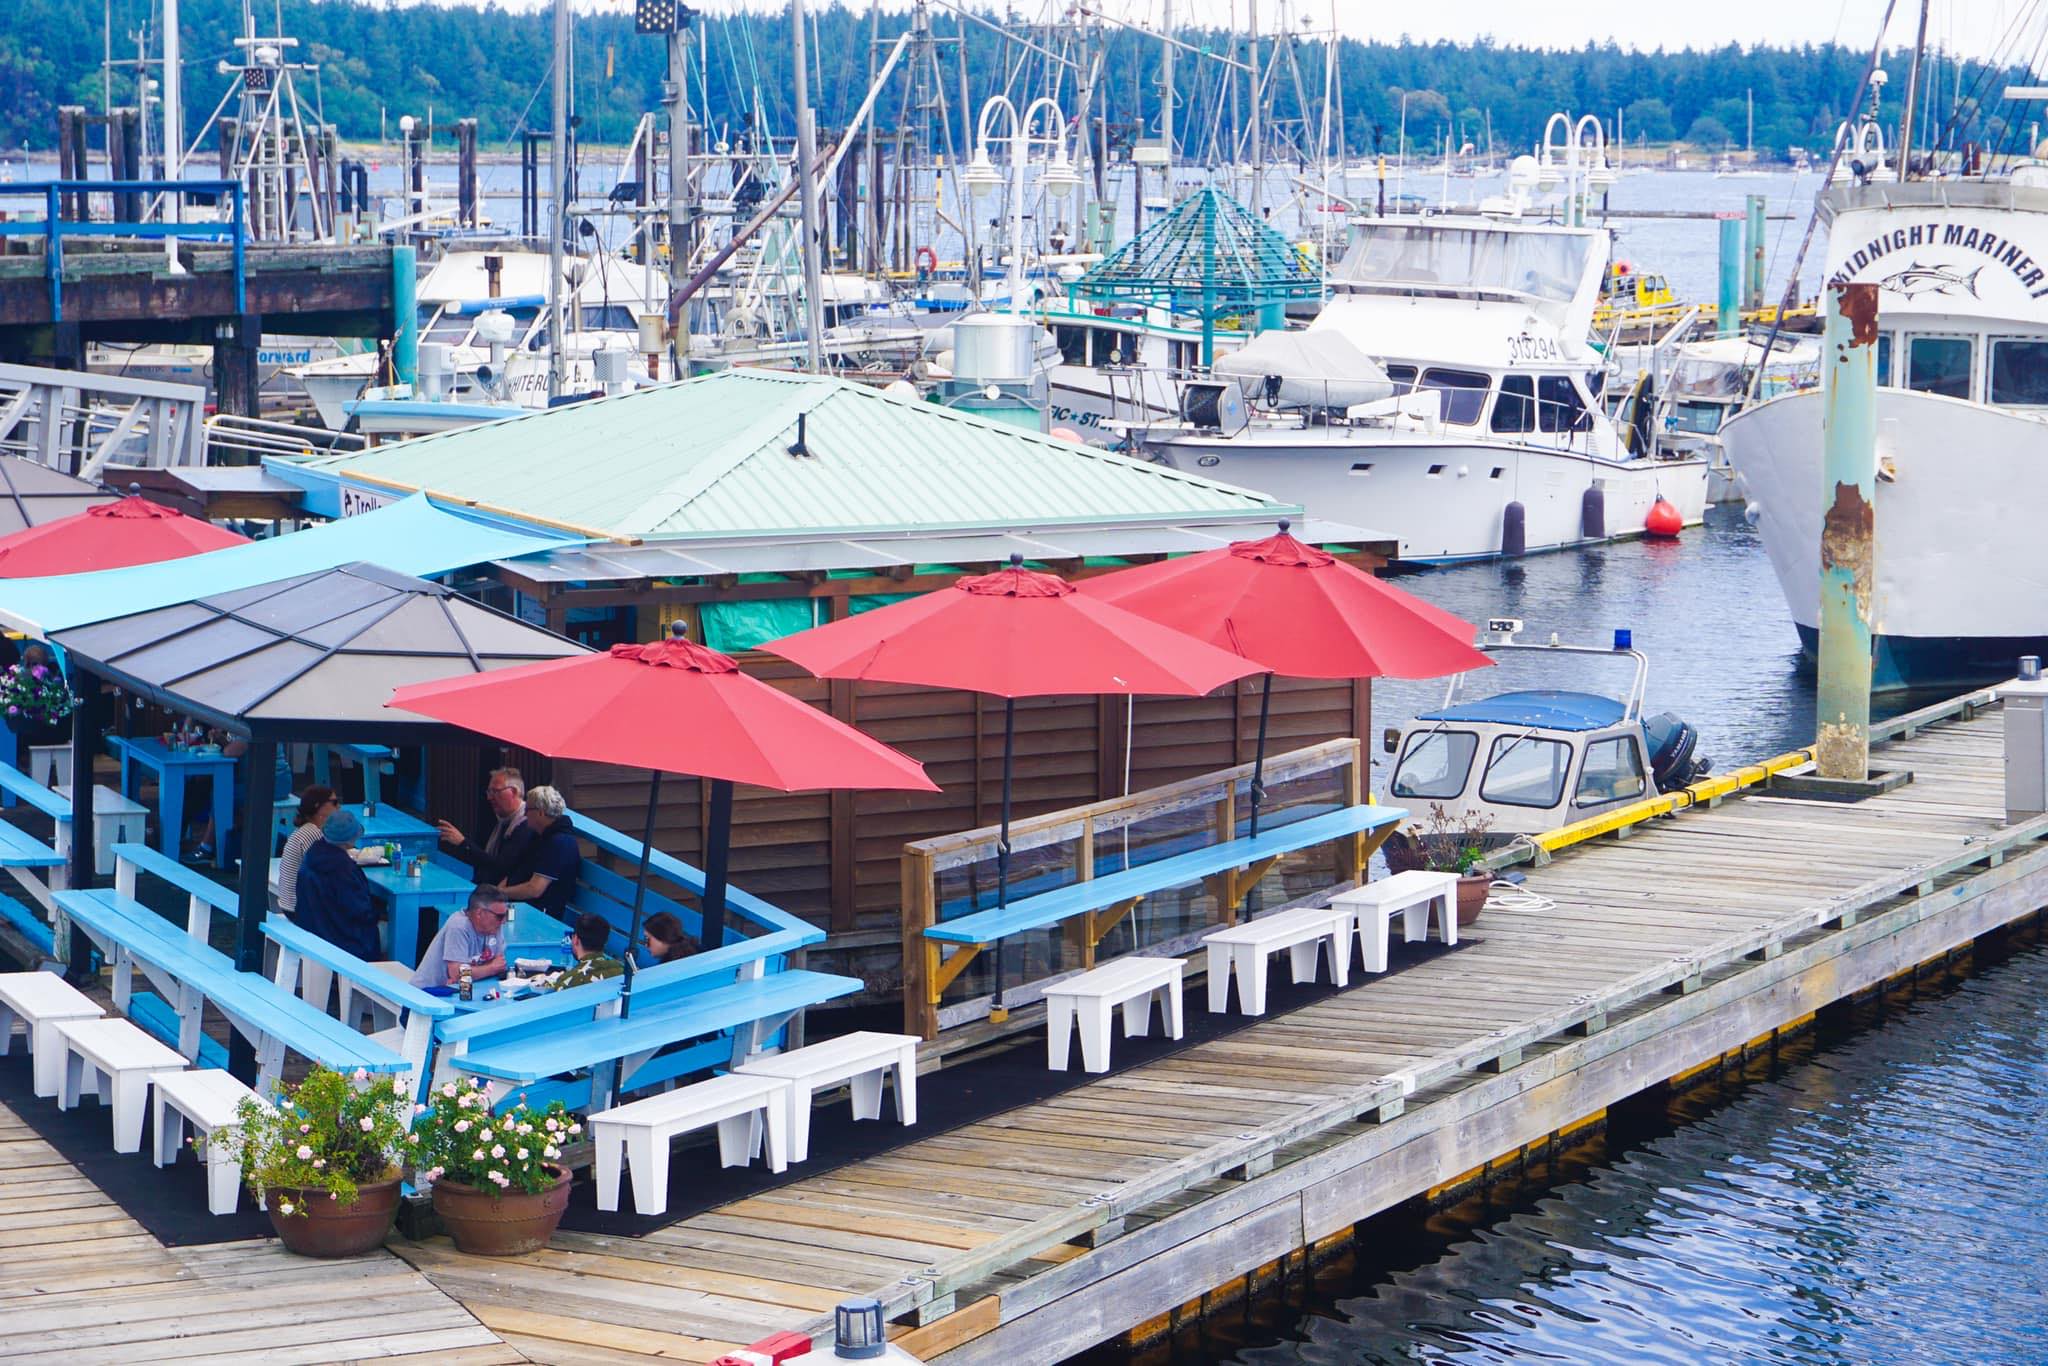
<point x="111" y="536"/>
<point x="1294" y="610"/>
<point x="1014" y="633"/>
<point x="670" y="707"/>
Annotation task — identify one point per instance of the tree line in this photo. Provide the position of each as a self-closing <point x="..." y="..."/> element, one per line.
<point x="378" y="62"/>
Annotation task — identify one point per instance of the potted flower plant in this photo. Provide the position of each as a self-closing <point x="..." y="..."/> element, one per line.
<point x="499" y="1186"/>
<point x="38" y="701"/>
<point x="1457" y="844"/>
<point x="322" y="1157"/>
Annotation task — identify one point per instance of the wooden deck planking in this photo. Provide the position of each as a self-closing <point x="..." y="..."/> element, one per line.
<point x="1622" y="908"/>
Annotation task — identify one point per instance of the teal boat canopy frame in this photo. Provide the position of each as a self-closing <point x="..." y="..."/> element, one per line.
<point x="1211" y="257"/>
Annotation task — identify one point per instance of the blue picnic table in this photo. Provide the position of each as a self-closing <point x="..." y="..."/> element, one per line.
<point x="174" y="768"/>
<point x="436" y="888"/>
<point x="387" y="824"/>
<point x="376" y="760"/>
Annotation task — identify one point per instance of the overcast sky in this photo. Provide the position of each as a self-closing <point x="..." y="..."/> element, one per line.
<point x="1978" y="27"/>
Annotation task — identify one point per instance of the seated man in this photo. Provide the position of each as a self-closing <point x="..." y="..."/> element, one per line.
<point x="593" y="964"/>
<point x="474" y="935"/>
<point x="547" y="876"/>
<point x="502" y="849"/>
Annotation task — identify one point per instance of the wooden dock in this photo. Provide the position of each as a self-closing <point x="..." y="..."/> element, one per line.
<point x="1121" y="1205"/>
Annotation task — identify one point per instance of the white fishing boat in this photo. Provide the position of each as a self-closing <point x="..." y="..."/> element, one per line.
<point x="1709" y="381"/>
<point x="1961" y="588"/>
<point x="1491" y="437"/>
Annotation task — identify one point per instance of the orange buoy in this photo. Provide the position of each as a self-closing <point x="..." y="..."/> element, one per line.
<point x="1663" y="519"/>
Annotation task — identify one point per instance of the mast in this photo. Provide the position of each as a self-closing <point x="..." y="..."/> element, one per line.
<point x="807" y="197"/>
<point x="1912" y="93"/>
<point x="682" y="206"/>
<point x="174" y="112"/>
<point x="558" y="168"/>
<point x="1166" y="95"/>
<point x="1258" y="93"/>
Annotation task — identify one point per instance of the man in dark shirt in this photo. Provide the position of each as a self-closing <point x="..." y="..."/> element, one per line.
<point x="547" y="876"/>
<point x="500" y="855"/>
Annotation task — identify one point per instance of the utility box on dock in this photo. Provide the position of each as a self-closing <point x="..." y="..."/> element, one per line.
<point x="2026" y="747"/>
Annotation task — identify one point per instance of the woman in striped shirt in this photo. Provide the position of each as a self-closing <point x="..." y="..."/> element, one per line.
<point x="316" y="804"/>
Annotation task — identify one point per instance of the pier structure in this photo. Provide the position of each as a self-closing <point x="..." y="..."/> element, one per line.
<point x="1650" y="945"/>
<point x="69" y="277"/>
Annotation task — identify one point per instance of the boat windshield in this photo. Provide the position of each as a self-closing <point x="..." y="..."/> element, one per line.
<point x="1539" y="265"/>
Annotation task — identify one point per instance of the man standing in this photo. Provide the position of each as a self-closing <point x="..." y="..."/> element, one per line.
<point x="475" y="936"/>
<point x="552" y="860"/>
<point x="501" y="853"/>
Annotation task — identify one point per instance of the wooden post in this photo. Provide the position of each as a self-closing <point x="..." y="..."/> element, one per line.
<point x="920" y="1016"/>
<point x="259" y="769"/>
<point x="465" y="172"/>
<point x="235" y="376"/>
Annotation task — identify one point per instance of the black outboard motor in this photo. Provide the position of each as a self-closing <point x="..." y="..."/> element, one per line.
<point x="1671" y="743"/>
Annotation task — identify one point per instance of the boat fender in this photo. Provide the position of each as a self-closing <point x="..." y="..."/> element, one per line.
<point x="1593" y="514"/>
<point x="927" y="261"/>
<point x="1663" y="518"/>
<point x="1514" y="530"/>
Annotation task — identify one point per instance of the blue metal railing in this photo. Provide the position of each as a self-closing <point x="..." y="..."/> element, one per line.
<point x="53" y="227"/>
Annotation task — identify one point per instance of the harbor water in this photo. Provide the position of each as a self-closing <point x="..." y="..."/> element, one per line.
<point x="1875" y="1195"/>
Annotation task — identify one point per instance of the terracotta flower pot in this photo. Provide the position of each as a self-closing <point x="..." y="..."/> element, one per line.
<point x="320" y="1227"/>
<point x="1472" y="889"/>
<point x="491" y="1223"/>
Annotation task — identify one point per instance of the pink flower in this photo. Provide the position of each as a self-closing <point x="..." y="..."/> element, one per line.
<point x="304" y="1152"/>
<point x="284" y="1207"/>
<point x="318" y="1163"/>
<point x="367" y="1123"/>
<point x="419" y="1109"/>
<point x="485" y="1135"/>
<point x="361" y="1074"/>
<point x="521" y="1154"/>
<point x="575" y="1128"/>
<point x="461" y="1126"/>
<point x="477" y="1156"/>
<point x="551" y="1151"/>
<point x="497" y="1150"/>
<point x="448" y="1090"/>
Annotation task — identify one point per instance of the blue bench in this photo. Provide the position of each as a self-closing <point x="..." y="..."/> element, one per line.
<point x="189" y="974"/>
<point x="1232" y="869"/>
<point x="414" y="1013"/>
<point x="558" y="1027"/>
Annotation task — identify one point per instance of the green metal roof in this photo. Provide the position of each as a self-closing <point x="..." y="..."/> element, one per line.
<point x="710" y="457"/>
<point x="1210" y="255"/>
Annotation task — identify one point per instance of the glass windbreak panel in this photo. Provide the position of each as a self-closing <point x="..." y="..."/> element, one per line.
<point x="1558" y="405"/>
<point x="1543" y="265"/>
<point x="450" y="328"/>
<point x="1939" y="365"/>
<point x="1515" y="409"/>
<point x="1613" y="770"/>
<point x="1525" y="772"/>
<point x="1884" y="358"/>
<point x="1464" y="394"/>
<point x="1701" y="418"/>
<point x="2019" y="371"/>
<point x="1435" y="763"/>
<point x="1402" y="377"/>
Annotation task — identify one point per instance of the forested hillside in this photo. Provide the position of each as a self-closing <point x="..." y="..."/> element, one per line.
<point x="378" y="62"/>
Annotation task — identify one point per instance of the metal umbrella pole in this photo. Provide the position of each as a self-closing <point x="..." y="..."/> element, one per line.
<point x="640" y="893"/>
<point x="1259" y="756"/>
<point x="717" y="845"/>
<point x="1003" y="840"/>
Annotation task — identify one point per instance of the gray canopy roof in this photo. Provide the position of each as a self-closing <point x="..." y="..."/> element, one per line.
<point x="308" y="658"/>
<point x="32" y="494"/>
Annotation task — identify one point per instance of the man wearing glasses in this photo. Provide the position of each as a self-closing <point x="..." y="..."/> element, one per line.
<point x="499" y="854"/>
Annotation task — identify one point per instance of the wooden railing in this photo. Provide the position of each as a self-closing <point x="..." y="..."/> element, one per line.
<point x="1088" y="829"/>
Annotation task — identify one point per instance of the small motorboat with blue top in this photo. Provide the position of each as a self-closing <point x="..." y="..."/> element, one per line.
<point x="1487" y="770"/>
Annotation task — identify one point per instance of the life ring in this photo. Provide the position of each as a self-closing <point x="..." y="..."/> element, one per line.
<point x="927" y="261"/>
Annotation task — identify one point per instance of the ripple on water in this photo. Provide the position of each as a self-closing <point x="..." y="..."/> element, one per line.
<point x="1884" y="1202"/>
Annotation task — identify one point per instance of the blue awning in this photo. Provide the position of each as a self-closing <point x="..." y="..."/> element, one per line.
<point x="412" y="536"/>
<point x="1542" y="709"/>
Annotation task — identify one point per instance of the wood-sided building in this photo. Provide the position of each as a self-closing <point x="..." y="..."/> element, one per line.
<point x="751" y="504"/>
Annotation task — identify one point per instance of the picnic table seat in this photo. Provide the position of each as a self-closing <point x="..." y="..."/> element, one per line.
<point x="1232" y="868"/>
<point x="301" y="953"/>
<point x="190" y="974"/>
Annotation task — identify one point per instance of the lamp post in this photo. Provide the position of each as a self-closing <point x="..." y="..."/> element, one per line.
<point x="1059" y="177"/>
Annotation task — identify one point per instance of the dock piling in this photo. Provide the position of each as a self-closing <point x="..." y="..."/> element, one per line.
<point x="405" y="344"/>
<point x="1848" y="530"/>
<point x="1728" y="320"/>
<point x="1754" y="294"/>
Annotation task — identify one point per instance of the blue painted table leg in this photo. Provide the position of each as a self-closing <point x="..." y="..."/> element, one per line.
<point x="405" y="929"/>
<point x="170" y="809"/>
<point x="224" y="811"/>
<point x="372" y="771"/>
<point x="320" y="766"/>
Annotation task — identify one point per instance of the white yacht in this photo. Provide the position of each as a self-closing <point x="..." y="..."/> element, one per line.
<point x="1961" y="587"/>
<point x="1492" y="439"/>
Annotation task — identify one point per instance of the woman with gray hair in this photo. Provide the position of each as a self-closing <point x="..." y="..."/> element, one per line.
<point x="548" y="877"/>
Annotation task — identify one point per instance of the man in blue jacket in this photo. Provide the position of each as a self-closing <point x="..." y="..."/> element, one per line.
<point x="334" y="899"/>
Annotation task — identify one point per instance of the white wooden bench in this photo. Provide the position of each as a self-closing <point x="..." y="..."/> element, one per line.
<point x="1090" y="997"/>
<point x="1412" y="894"/>
<point x="115" y="820"/>
<point x="40" y="1000"/>
<point x="863" y="1058"/>
<point x="50" y="765"/>
<point x="207" y="1100"/>
<point x="1243" y="949"/>
<point x="122" y="1059"/>
<point x="743" y="1108"/>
